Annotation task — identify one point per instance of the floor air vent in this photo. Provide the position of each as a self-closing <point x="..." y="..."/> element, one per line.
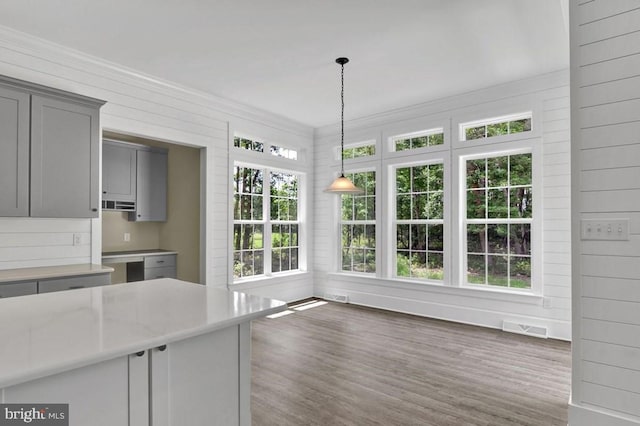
<point x="528" y="329"/>
<point x="342" y="298"/>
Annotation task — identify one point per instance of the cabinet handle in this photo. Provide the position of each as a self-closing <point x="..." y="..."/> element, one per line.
<point x="159" y="261"/>
<point x="75" y="287"/>
<point x="139" y="215"/>
<point x="104" y="192"/>
<point x="94" y="210"/>
<point x="140" y="353"/>
<point x="162" y="348"/>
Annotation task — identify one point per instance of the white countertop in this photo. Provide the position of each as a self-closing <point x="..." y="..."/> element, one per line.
<point x="135" y="253"/>
<point x="43" y="272"/>
<point x="50" y="333"/>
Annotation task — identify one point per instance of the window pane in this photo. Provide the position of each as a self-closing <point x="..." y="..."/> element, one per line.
<point x="435" y="205"/>
<point x="418" y="237"/>
<point x="497" y="271"/>
<point x="403" y="144"/>
<point x="476" y="173"/>
<point x="476" y="268"/>
<point x="419" y="265"/>
<point x="498" y="171"/>
<point x="247" y="264"/>
<point x="520" y="169"/>
<point x="403" y="264"/>
<point x="294" y="235"/>
<point x="435" y="262"/>
<point x="520" y="239"/>
<point x="476" y="238"/>
<point x="521" y="202"/>
<point x="360" y="205"/>
<point x="435" y="239"/>
<point x="436" y="177"/>
<point x="275" y="260"/>
<point x="237" y="265"/>
<point x="420" y="178"/>
<point x="497" y="203"/>
<point x="347" y="207"/>
<point x="256" y="208"/>
<point x="294" y="258"/>
<point x="476" y="204"/>
<point x="402" y="236"/>
<point x="437" y="139"/>
<point x="475" y="133"/>
<point x="497" y="238"/>
<point x="520" y="276"/>
<point x="403" y="180"/>
<point x="370" y="260"/>
<point x="497" y="129"/>
<point x="419" y="142"/>
<point x="258" y="262"/>
<point x="403" y="207"/>
<point x="419" y="210"/>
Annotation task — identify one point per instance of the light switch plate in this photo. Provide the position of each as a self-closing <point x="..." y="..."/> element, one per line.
<point x="605" y="229"/>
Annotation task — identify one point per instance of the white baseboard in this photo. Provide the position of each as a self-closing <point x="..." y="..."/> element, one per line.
<point x="590" y="416"/>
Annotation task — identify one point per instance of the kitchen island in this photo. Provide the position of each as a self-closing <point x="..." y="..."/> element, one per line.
<point x="159" y="352"/>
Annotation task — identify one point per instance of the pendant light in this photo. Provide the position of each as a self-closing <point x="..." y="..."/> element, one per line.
<point x="342" y="185"/>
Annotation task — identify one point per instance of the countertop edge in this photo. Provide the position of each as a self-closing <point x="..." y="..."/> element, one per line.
<point x="87" y="360"/>
<point x="52" y="272"/>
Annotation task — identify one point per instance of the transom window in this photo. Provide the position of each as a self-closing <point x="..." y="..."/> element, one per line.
<point x="248" y="144"/>
<point x="359" y="150"/>
<point x="418" y="140"/>
<point x="499" y="214"/>
<point x="358" y="225"/>
<point x="419" y="221"/>
<point x="505" y="125"/>
<point x="280" y="151"/>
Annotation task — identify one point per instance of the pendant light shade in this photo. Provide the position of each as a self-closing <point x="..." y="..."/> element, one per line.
<point x="342" y="185"/>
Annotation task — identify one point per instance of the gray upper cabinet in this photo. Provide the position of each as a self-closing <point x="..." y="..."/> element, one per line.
<point x="14" y="152"/>
<point x="49" y="152"/>
<point x="65" y="157"/>
<point x="151" y="174"/>
<point x="118" y="173"/>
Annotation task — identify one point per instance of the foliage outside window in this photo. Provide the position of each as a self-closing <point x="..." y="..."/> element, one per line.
<point x="419" y="140"/>
<point x="420" y="221"/>
<point x="250" y="242"/>
<point x="496" y="127"/>
<point x="358" y="225"/>
<point x="359" y="151"/>
<point x="498" y="221"/>
<point x="248" y="144"/>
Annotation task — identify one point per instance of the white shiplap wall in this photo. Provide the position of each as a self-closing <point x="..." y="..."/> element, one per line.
<point x="605" y="76"/>
<point x="550" y="94"/>
<point x="138" y="105"/>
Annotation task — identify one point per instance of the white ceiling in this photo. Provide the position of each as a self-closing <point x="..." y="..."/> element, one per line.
<point x="278" y="55"/>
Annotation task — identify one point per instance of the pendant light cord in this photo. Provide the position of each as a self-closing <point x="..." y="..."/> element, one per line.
<point x="342" y="119"/>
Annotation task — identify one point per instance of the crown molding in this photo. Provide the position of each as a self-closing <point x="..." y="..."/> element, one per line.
<point x="227" y="109"/>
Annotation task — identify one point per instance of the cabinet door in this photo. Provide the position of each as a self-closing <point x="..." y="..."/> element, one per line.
<point x="195" y="381"/>
<point x="65" y="159"/>
<point x="98" y="395"/>
<point x="118" y="172"/>
<point x="14" y="153"/>
<point x="151" y="201"/>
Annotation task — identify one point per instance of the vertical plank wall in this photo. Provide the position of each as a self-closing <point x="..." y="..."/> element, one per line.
<point x="605" y="75"/>
<point x="550" y="94"/>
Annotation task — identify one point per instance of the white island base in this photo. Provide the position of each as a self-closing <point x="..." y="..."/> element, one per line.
<point x="158" y="353"/>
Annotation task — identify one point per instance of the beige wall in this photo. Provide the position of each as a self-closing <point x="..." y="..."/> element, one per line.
<point x="181" y="231"/>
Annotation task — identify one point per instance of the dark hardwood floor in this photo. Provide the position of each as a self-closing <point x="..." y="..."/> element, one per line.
<point x="347" y="365"/>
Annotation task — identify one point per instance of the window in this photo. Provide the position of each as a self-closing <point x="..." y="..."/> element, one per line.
<point x="265" y="227"/>
<point x="505" y="125"/>
<point x="366" y="149"/>
<point x="498" y="219"/>
<point x="358" y="225"/>
<point x="248" y="144"/>
<point x="419" y="221"/>
<point x="418" y="140"/>
<point x="282" y="152"/>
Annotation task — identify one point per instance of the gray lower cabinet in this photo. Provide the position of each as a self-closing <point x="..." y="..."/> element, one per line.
<point x="24" y="288"/>
<point x="163" y="266"/>
<point x="72" y="283"/>
<point x="151" y="186"/>
<point x="49" y="152"/>
<point x="14" y="153"/>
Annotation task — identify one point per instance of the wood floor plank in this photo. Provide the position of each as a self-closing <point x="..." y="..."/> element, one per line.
<point x="347" y="365"/>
